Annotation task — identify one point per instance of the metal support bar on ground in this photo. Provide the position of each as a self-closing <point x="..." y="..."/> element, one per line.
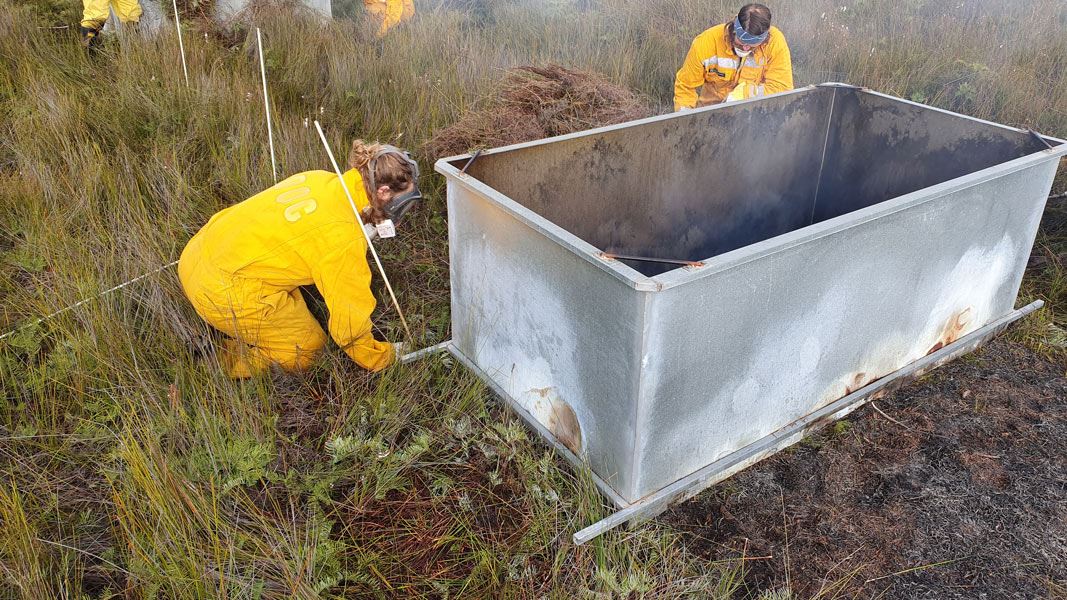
<point x="429" y="351"/>
<point x="719" y="470"/>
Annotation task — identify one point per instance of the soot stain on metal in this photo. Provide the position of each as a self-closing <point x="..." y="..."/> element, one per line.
<point x="858" y="381"/>
<point x="607" y="160"/>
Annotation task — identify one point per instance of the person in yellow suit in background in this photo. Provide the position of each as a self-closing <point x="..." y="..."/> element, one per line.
<point x="390" y="12"/>
<point x="242" y="271"/>
<point x="743" y="58"/>
<point x="96" y="12"/>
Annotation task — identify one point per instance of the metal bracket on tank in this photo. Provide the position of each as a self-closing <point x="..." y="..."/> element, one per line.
<point x="473" y="158"/>
<point x="1037" y="136"/>
<point x="666" y="261"/>
<point x="655" y="503"/>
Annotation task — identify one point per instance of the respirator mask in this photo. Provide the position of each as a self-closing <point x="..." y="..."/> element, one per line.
<point x="396" y="208"/>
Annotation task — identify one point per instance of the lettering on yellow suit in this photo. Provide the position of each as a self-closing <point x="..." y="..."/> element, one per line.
<point x="296" y="200"/>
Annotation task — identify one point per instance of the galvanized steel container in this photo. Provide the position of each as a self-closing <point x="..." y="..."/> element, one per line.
<point x="227" y="9"/>
<point x="842" y="234"/>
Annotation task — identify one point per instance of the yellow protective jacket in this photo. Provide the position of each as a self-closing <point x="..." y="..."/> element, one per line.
<point x="243" y="269"/>
<point x="712" y="64"/>
<point x="390" y="12"/>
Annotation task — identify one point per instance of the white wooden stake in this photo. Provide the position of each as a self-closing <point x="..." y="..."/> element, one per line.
<point x="359" y="218"/>
<point x="266" y="105"/>
<point x="181" y="44"/>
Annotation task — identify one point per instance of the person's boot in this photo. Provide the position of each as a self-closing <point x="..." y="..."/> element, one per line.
<point x="90" y="37"/>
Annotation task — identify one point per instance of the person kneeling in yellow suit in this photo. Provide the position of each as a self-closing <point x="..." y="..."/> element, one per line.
<point x="390" y="12"/>
<point x="243" y="270"/>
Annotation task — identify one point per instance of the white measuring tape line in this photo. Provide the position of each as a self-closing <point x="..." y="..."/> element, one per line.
<point x="87" y="300"/>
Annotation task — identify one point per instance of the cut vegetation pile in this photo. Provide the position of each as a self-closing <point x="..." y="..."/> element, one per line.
<point x="538" y="102"/>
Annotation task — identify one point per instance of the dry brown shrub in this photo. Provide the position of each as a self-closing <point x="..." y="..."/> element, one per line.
<point x="537" y="102"/>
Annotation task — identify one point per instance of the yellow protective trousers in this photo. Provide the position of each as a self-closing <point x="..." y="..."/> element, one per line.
<point x="268" y="325"/>
<point x="96" y="12"/>
<point x="243" y="270"/>
<point x="390" y="12"/>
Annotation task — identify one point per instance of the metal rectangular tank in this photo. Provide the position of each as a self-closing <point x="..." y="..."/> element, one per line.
<point x="228" y="9"/>
<point x="840" y="239"/>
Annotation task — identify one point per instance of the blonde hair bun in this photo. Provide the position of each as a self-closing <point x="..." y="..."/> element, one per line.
<point x="362" y="153"/>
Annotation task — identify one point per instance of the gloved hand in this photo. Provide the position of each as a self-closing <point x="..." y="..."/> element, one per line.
<point x="738" y="93"/>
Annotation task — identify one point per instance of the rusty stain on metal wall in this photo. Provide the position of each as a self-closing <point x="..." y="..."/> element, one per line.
<point x="563" y="423"/>
<point x="560" y="418"/>
<point x="954" y="329"/>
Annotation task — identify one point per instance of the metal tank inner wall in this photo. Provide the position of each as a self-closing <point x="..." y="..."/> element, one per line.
<point x="878" y="149"/>
<point x="695" y="187"/>
<point x="684" y="188"/>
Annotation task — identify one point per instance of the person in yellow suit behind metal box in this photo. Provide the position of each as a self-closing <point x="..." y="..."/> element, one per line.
<point x="743" y="58"/>
<point x="242" y="271"/>
<point x="96" y="12"/>
<point x="390" y="12"/>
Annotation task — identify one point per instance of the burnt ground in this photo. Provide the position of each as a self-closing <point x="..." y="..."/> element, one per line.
<point x="958" y="491"/>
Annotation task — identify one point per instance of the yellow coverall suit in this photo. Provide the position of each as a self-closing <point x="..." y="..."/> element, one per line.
<point x="711" y="63"/>
<point x="95" y="12"/>
<point x="390" y="12"/>
<point x="242" y="272"/>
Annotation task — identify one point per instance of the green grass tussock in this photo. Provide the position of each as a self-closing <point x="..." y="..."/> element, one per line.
<point x="131" y="467"/>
